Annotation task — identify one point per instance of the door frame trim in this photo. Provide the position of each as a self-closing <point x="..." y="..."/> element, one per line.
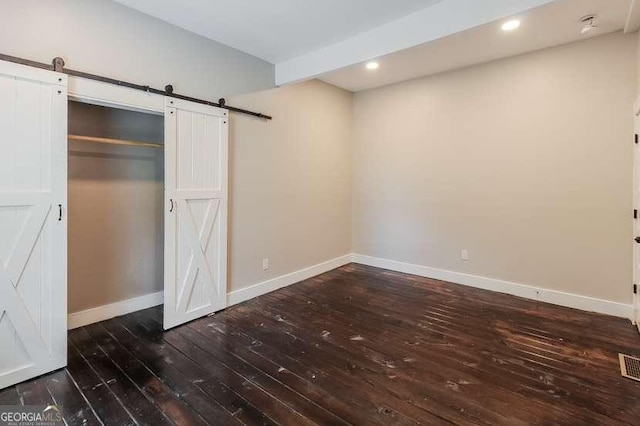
<point x="636" y="205"/>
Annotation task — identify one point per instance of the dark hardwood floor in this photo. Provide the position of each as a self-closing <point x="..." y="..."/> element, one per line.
<point x="357" y="345"/>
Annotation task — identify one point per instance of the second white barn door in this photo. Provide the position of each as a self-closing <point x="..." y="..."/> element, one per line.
<point x="196" y="155"/>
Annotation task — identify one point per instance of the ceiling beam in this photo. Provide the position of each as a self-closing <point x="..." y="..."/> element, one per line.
<point x="440" y="20"/>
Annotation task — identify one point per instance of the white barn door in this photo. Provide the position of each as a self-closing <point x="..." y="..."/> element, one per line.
<point x="196" y="155"/>
<point x="33" y="228"/>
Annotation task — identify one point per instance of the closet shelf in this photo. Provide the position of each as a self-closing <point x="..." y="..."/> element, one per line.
<point x="114" y="141"/>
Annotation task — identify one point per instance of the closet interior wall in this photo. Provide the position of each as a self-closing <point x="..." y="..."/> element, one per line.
<point x="115" y="215"/>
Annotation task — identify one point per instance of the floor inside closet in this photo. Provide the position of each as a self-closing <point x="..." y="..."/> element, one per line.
<point x="418" y="351"/>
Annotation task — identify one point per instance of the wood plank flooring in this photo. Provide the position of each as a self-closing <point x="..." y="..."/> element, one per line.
<point x="357" y="345"/>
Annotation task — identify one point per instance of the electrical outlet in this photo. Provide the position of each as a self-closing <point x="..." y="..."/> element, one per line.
<point x="464" y="255"/>
<point x="265" y="264"/>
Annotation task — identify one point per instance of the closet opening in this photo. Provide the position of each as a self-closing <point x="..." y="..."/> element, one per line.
<point x="115" y="205"/>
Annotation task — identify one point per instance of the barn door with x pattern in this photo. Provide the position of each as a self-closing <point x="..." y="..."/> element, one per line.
<point x="33" y="174"/>
<point x="196" y="152"/>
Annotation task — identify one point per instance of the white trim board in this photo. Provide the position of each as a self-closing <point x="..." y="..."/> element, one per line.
<point x="575" y="301"/>
<point x="247" y="293"/>
<point x="112" y="310"/>
<point x="105" y="312"/>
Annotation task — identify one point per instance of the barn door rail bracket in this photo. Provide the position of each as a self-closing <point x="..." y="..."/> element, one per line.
<point x="58" y="66"/>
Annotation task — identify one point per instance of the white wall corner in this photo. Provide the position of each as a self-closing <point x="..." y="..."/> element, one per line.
<point x="569" y="300"/>
<point x="633" y="17"/>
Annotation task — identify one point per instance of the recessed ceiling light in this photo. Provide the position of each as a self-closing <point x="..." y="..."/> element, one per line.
<point x="510" y="25"/>
<point x="372" y="65"/>
<point x="589" y="24"/>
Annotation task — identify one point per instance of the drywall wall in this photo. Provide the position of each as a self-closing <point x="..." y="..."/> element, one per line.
<point x="116" y="215"/>
<point x="290" y="181"/>
<point x="524" y="162"/>
<point x="107" y="38"/>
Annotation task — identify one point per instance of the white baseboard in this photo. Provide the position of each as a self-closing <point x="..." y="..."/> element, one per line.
<point x="265" y="287"/>
<point x="540" y="294"/>
<point x="102" y="313"/>
<point x="105" y="312"/>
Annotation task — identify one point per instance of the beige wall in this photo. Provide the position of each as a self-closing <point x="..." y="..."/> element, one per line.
<point x="525" y="162"/>
<point x="290" y="181"/>
<point x="107" y="38"/>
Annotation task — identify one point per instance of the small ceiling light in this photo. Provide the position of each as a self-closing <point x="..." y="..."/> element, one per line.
<point x="589" y="24"/>
<point x="372" y="65"/>
<point x="511" y="25"/>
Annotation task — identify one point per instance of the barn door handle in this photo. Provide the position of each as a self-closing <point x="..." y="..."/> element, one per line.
<point x="60" y="212"/>
<point x="171" y="209"/>
<point x="638" y="240"/>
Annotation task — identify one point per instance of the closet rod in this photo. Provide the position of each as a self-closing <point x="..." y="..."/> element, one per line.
<point x="58" y="66"/>
<point x="114" y="141"/>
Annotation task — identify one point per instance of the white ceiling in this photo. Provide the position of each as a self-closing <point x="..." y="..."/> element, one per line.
<point x="278" y="30"/>
<point x="549" y="25"/>
<point x="332" y="39"/>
